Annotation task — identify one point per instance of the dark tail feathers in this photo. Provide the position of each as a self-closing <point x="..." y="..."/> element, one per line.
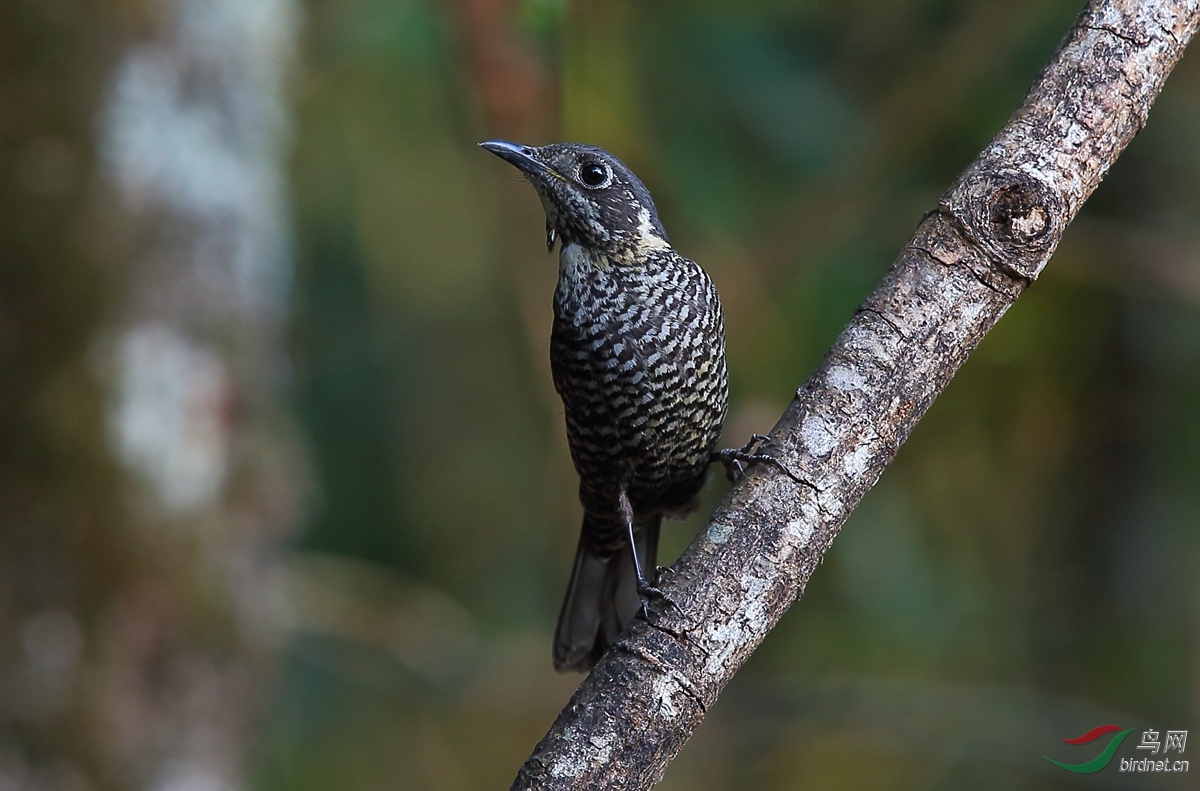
<point x="602" y="597"/>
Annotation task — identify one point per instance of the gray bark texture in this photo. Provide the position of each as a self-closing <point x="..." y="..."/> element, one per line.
<point x="988" y="238"/>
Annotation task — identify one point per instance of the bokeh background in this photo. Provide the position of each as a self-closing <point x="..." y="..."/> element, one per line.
<point x="285" y="502"/>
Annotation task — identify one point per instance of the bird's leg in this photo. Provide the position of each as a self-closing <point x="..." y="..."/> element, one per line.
<point x="736" y="459"/>
<point x="644" y="588"/>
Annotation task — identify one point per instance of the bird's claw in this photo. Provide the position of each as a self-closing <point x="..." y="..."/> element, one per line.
<point x="735" y="460"/>
<point x="646" y="592"/>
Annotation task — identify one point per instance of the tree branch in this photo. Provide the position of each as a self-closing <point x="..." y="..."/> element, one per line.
<point x="970" y="258"/>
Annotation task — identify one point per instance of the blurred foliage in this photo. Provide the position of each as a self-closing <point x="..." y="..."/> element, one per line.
<point x="1025" y="570"/>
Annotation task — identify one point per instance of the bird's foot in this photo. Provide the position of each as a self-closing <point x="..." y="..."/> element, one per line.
<point x="735" y="460"/>
<point x="647" y="591"/>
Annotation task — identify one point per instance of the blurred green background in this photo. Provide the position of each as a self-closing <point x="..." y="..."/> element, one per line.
<point x="371" y="583"/>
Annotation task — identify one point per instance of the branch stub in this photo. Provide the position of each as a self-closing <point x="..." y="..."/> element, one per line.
<point x="1010" y="215"/>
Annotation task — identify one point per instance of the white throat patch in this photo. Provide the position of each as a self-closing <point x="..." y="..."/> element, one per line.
<point x="646" y="231"/>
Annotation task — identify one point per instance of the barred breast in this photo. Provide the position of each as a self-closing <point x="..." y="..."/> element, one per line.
<point x="638" y="356"/>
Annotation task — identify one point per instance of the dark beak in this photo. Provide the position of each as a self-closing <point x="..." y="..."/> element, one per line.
<point x="517" y="155"/>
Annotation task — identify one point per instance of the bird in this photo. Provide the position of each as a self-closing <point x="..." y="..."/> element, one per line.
<point x="637" y="355"/>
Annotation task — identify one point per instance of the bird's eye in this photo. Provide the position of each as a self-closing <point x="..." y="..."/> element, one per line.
<point x="593" y="174"/>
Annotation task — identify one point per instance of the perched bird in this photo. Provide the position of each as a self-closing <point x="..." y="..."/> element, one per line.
<point x="637" y="354"/>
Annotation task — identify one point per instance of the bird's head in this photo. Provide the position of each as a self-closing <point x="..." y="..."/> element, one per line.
<point x="590" y="197"/>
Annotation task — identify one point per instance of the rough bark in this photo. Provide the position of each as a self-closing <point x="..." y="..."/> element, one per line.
<point x="988" y="238"/>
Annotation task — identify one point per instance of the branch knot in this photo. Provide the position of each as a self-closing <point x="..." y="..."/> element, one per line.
<point x="1012" y="216"/>
<point x="1017" y="216"/>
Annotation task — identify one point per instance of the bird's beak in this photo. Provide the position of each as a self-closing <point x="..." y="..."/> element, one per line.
<point x="519" y="156"/>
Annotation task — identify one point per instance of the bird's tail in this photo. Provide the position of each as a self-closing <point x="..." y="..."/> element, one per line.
<point x="602" y="597"/>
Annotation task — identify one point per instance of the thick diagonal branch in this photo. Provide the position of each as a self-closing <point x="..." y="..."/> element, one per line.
<point x="970" y="258"/>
